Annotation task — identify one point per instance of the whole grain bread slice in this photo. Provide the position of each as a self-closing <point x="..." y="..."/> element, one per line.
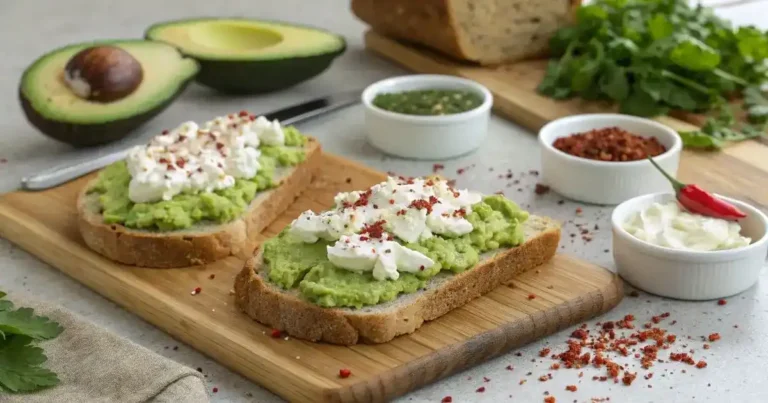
<point x="206" y="241"/>
<point x="287" y="311"/>
<point x="482" y="31"/>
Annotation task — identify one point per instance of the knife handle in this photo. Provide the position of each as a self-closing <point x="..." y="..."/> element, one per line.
<point x="60" y="174"/>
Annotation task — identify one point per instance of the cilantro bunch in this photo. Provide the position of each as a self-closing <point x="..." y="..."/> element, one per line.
<point x="653" y="56"/>
<point x="21" y="361"/>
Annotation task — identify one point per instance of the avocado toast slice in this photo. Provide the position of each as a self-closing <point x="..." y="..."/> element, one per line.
<point x="193" y="227"/>
<point x="318" y="304"/>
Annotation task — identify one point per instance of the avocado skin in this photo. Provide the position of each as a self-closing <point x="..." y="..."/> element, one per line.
<point x="88" y="135"/>
<point x="263" y="76"/>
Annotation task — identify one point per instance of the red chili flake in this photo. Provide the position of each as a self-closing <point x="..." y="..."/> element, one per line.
<point x="276" y="333"/>
<point x="219" y="145"/>
<point x="375" y="230"/>
<point x="571" y="388"/>
<point x="701" y="364"/>
<point x="437" y="167"/>
<point x="243" y="114"/>
<point x="196" y="291"/>
<point x="706" y="347"/>
<point x="460" y="171"/>
<point x="486" y="379"/>
<point x="212" y="276"/>
<point x="344" y="373"/>
<point x="421" y="267"/>
<point x="164" y="132"/>
<point x="447" y="399"/>
<point x="181" y="138"/>
<point x="543" y="378"/>
<point x="609" y="144"/>
<point x="215" y="389"/>
<point x="555" y="366"/>
<point x="671" y="338"/>
<point x="544" y="352"/>
<point x="721" y="302"/>
<point x="714" y="337"/>
<point x="480" y="389"/>
<point x="549" y="399"/>
<point x="629" y="318"/>
<point x="578" y="210"/>
<point x="541" y="189"/>
<point x="510" y="368"/>
<point x="181" y="162"/>
<point x="580" y="334"/>
<point x="531" y="296"/>
<point x="628" y="378"/>
<point x="170" y="167"/>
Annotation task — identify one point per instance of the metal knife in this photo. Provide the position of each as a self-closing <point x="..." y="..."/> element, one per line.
<point x="287" y="116"/>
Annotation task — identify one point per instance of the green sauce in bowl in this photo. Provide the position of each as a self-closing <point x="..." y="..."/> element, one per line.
<point x="428" y="102"/>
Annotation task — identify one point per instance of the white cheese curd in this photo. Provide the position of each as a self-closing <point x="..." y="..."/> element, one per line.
<point x="669" y="226"/>
<point x="384" y="258"/>
<point x="410" y="209"/>
<point x="196" y="159"/>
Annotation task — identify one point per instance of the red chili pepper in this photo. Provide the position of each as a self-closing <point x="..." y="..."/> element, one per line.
<point x="699" y="201"/>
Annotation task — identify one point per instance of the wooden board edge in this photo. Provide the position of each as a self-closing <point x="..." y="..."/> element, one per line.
<point x="480" y="348"/>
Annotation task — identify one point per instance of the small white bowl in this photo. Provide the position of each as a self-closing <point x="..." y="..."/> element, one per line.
<point x="426" y="137"/>
<point x="606" y="182"/>
<point x="689" y="275"/>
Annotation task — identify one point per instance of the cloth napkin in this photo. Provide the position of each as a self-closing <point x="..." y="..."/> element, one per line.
<point x="95" y="365"/>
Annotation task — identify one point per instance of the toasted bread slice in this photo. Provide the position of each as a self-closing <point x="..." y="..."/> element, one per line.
<point x="287" y="311"/>
<point x="206" y="241"/>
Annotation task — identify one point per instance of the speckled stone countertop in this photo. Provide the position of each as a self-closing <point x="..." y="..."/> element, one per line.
<point x="735" y="363"/>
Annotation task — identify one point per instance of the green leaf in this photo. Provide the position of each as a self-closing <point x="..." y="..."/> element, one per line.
<point x="20" y="369"/>
<point x="5" y="305"/>
<point x="697" y="139"/>
<point x="23" y="322"/>
<point x="693" y="54"/>
<point x="590" y="13"/>
<point x="2" y="294"/>
<point x="756" y="104"/>
<point x="660" y="27"/>
<point x="641" y="103"/>
<point x="752" y="43"/>
<point x="614" y="83"/>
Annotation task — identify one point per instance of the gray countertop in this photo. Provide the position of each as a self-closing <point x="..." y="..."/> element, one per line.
<point x="29" y="28"/>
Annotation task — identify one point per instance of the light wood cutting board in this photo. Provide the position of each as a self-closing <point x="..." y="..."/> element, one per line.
<point x="568" y="291"/>
<point x="739" y="171"/>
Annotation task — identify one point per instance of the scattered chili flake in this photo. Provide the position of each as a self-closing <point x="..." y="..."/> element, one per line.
<point x="196" y="291"/>
<point x="543" y="378"/>
<point x="509" y="368"/>
<point x="628" y="378"/>
<point x="276" y="333"/>
<point x="447" y="399"/>
<point x="480" y="389"/>
<point x="578" y="210"/>
<point x="549" y="399"/>
<point x="215" y="389"/>
<point x="701" y="364"/>
<point x="541" y="189"/>
<point x="721" y="302"/>
<point x="344" y="373"/>
<point x="571" y="388"/>
<point x="460" y="171"/>
<point x="437" y="167"/>
<point x="714" y="337"/>
<point x="544" y="352"/>
<point x="706" y="347"/>
<point x="531" y="296"/>
<point x="486" y="379"/>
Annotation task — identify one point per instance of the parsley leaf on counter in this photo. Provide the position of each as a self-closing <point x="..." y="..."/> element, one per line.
<point x="653" y="56"/>
<point x="21" y="362"/>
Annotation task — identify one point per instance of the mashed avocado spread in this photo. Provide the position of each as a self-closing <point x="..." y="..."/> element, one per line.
<point x="186" y="209"/>
<point x="496" y="223"/>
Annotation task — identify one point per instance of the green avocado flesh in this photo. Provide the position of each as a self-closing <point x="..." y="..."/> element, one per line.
<point x="165" y="72"/>
<point x="496" y="223"/>
<point x="185" y="210"/>
<point x="243" y="39"/>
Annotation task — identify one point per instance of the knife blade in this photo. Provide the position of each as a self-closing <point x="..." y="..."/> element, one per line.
<point x="286" y="116"/>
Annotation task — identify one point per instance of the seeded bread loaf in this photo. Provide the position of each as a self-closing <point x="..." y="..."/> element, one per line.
<point x="204" y="242"/>
<point x="483" y="31"/>
<point x="287" y="311"/>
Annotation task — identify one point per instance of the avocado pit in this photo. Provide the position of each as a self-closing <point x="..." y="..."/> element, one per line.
<point x="103" y="73"/>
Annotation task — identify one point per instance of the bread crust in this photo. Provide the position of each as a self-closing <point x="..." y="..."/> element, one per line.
<point x="431" y="23"/>
<point x="274" y="307"/>
<point x="185" y="248"/>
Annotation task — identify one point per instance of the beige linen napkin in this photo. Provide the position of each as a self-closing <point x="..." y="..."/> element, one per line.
<point x="95" y="365"/>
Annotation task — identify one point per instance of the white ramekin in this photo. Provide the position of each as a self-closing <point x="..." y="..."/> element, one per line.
<point x="426" y="137"/>
<point x="603" y="182"/>
<point x="689" y="275"/>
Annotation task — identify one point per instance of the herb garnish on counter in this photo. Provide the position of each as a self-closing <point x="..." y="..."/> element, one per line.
<point x="653" y="56"/>
<point x="428" y="102"/>
<point x="21" y="361"/>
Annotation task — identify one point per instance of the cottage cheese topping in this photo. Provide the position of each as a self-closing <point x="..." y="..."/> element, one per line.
<point x="411" y="210"/>
<point x="195" y="159"/>
<point x="669" y="226"/>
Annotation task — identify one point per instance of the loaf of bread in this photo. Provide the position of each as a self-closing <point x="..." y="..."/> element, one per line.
<point x="482" y="31"/>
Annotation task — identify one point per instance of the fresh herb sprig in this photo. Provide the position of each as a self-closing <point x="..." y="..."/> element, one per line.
<point x="654" y="56"/>
<point x="21" y="362"/>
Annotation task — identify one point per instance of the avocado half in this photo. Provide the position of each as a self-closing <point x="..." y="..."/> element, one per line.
<point x="246" y="56"/>
<point x="51" y="106"/>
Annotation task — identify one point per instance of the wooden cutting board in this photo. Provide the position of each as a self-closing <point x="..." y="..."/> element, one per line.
<point x="739" y="171"/>
<point x="568" y="291"/>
